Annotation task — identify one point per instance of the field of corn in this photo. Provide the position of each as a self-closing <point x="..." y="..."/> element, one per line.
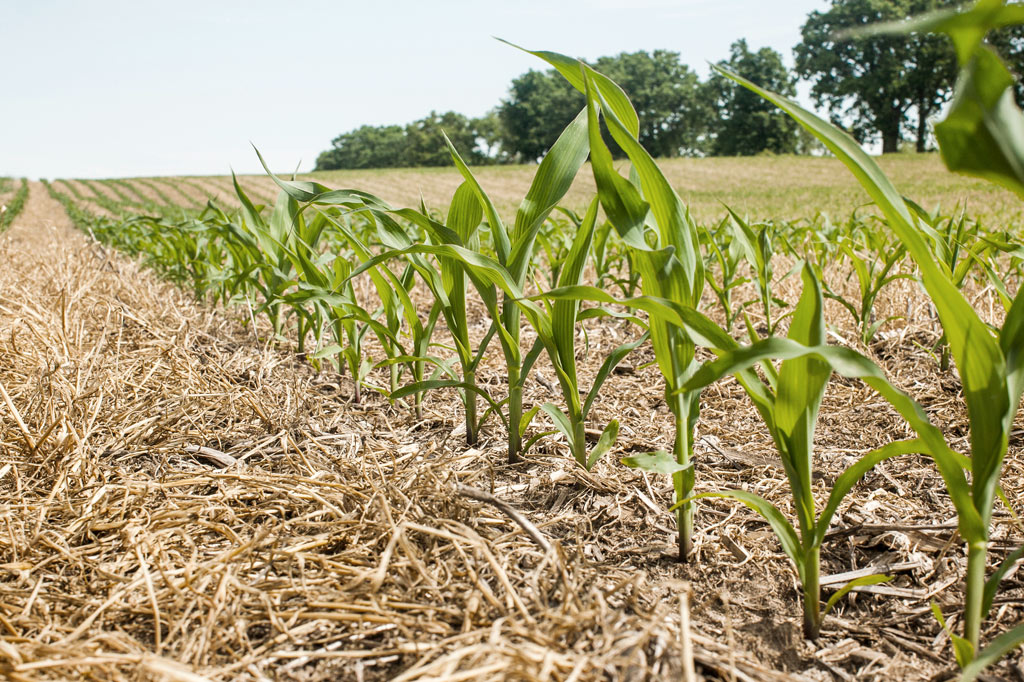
<point x="590" y="419"/>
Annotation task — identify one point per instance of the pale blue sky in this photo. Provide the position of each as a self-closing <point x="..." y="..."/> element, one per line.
<point x="113" y="88"/>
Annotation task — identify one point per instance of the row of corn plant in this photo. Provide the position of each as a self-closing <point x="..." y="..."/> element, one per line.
<point x="10" y="209"/>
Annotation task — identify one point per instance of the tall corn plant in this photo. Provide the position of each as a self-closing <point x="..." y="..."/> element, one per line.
<point x="788" y="404"/>
<point x="672" y="269"/>
<point x="983" y="134"/>
<point x="788" y="400"/>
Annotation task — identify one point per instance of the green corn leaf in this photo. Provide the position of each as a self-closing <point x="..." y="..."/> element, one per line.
<point x="433" y="384"/>
<point x="983" y="134"/>
<point x="999" y="647"/>
<point x="801" y="386"/>
<point x="612" y="93"/>
<point x="659" y="462"/>
<point x="524" y="423"/>
<point x="978" y="357"/>
<point x="250" y="214"/>
<point x="1011" y="342"/>
<point x="327" y="351"/>
<point x="565" y="310"/>
<point x="560" y="420"/>
<point x="553" y="178"/>
<point x="853" y="584"/>
<point x="992" y="584"/>
<point x="963" y="650"/>
<point x="674" y="224"/>
<point x="314" y="192"/>
<point x="465" y="213"/>
<point x="784" y="530"/>
<point x="604" y="443"/>
<point x="502" y="245"/>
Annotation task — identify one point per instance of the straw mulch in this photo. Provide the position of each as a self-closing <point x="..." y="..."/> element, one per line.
<point x="182" y="502"/>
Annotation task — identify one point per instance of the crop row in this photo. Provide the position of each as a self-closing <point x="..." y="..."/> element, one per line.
<point x="646" y="261"/>
<point x="12" y="208"/>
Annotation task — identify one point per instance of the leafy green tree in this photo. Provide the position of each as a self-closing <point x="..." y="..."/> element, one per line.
<point x="419" y="143"/>
<point x="748" y="124"/>
<point x="425" y="143"/>
<point x="539" y="106"/>
<point x="673" y="109"/>
<point x="872" y="83"/>
<point x="366" y="147"/>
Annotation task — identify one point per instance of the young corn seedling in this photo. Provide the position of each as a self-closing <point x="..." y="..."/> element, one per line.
<point x="788" y="401"/>
<point x="514" y="253"/>
<point x="671" y="269"/>
<point x="789" y="408"/>
<point x="724" y="250"/>
<point x="981" y="136"/>
<point x="873" y="262"/>
<point x="758" y="244"/>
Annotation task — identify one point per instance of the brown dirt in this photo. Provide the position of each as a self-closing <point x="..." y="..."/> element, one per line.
<point x="143" y="191"/>
<point x="192" y="194"/>
<point x="337" y="546"/>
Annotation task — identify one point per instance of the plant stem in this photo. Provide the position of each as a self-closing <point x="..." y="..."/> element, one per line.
<point x="515" y="415"/>
<point x="579" y="444"/>
<point x="976" y="563"/>
<point x="682" y="482"/>
<point x="469" y="376"/>
<point x="812" y="593"/>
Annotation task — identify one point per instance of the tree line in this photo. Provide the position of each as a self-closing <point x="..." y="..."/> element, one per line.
<point x="880" y="88"/>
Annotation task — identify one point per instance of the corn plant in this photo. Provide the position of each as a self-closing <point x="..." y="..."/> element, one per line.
<point x="788" y="399"/>
<point x="872" y="259"/>
<point x="725" y="251"/>
<point x="672" y="268"/>
<point x="514" y="253"/>
<point x="759" y="243"/>
<point x="982" y="136"/>
<point x="788" y="404"/>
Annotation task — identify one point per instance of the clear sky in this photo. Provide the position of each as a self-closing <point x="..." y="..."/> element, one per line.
<point x="114" y="88"/>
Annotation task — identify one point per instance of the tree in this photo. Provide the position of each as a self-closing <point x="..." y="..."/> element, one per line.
<point x="748" y="124"/>
<point x="365" y="147"/>
<point x="419" y="143"/>
<point x="871" y="83"/>
<point x="425" y="144"/>
<point x="666" y="94"/>
<point x="539" y="106"/>
<point x="674" y="112"/>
